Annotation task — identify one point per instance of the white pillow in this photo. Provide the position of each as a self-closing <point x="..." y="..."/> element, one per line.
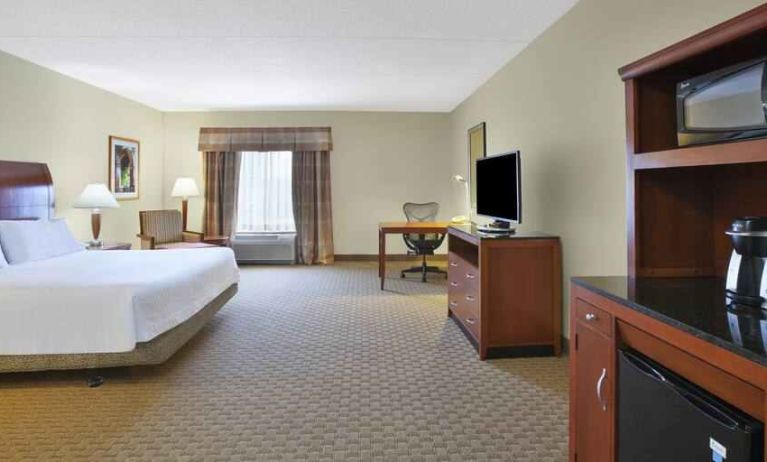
<point x="25" y="241"/>
<point x="3" y="261"/>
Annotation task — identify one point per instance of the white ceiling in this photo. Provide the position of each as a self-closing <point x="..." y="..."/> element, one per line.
<point x="392" y="55"/>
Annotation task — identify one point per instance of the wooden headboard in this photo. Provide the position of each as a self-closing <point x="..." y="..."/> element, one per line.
<point x="26" y="190"/>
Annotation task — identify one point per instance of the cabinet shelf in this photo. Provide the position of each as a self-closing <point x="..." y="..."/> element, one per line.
<point x="736" y="152"/>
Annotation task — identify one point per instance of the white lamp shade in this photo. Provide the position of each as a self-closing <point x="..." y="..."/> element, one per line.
<point x="185" y="187"/>
<point x="96" y="196"/>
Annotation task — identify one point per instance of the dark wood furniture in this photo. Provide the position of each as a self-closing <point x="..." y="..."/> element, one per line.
<point x="505" y="292"/>
<point x="402" y="227"/>
<point x="680" y="200"/>
<point x="112" y="246"/>
<point x="681" y="323"/>
<point x="26" y="192"/>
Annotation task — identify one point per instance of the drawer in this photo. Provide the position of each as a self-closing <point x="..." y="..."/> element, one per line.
<point x="455" y="263"/>
<point x="594" y="317"/>
<point x="470" y="320"/>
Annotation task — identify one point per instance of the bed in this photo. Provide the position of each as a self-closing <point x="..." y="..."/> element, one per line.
<point x="118" y="308"/>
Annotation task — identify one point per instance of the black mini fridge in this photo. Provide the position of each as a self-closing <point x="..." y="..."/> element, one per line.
<point x="664" y="418"/>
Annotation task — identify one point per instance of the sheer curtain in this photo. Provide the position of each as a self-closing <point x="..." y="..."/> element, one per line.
<point x="265" y="202"/>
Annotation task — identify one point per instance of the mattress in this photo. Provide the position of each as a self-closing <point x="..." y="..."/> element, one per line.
<point x="106" y="301"/>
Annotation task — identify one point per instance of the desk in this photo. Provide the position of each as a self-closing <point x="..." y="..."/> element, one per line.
<point x="403" y="227"/>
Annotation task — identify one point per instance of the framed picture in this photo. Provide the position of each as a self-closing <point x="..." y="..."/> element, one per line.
<point x="124" y="158"/>
<point x="477" y="150"/>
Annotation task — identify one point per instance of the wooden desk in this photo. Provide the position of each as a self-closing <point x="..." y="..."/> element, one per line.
<point x="403" y="227"/>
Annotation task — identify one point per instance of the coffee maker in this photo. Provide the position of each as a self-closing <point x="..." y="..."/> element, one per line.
<point x="747" y="274"/>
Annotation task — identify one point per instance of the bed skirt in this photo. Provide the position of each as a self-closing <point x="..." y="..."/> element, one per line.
<point x="155" y="351"/>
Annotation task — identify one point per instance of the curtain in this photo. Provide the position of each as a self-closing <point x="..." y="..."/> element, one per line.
<point x="222" y="176"/>
<point x="312" y="207"/>
<point x="240" y="139"/>
<point x="265" y="200"/>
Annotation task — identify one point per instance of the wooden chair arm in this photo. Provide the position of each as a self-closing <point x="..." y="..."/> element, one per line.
<point x="191" y="236"/>
<point x="147" y="242"/>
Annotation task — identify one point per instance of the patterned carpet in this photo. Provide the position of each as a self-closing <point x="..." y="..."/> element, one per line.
<point x="304" y="364"/>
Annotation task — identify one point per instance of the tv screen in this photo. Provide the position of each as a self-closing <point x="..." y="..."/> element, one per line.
<point x="499" y="188"/>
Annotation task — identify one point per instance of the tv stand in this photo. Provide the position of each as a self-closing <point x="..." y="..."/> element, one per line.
<point x="497" y="227"/>
<point x="505" y="291"/>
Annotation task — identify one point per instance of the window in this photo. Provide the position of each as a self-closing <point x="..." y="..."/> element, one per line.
<point x="265" y="199"/>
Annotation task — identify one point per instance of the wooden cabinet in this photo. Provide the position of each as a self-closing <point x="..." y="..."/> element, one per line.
<point x="505" y="292"/>
<point x="592" y="397"/>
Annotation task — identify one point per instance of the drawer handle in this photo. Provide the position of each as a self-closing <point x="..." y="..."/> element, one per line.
<point x="453" y="304"/>
<point x="469" y="276"/>
<point x="453" y="264"/>
<point x="591" y="317"/>
<point x="601" y="382"/>
<point x="470" y="298"/>
<point x="471" y="321"/>
<point x="453" y="284"/>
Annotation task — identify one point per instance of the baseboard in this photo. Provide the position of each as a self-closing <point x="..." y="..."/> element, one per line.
<point x="397" y="257"/>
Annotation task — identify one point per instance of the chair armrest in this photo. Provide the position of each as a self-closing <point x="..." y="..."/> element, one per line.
<point x="222" y="241"/>
<point x="191" y="236"/>
<point x="147" y="242"/>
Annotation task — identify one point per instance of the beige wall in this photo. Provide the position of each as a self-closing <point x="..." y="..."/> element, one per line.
<point x="379" y="161"/>
<point x="561" y="102"/>
<point x="47" y="117"/>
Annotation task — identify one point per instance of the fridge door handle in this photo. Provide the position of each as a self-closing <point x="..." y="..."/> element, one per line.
<point x="600" y="383"/>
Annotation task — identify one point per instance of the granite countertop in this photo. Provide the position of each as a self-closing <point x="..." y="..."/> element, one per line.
<point x="694" y="305"/>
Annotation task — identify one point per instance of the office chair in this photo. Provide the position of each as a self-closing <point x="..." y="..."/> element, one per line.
<point x="422" y="244"/>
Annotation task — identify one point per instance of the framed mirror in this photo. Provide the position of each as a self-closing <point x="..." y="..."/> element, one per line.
<point x="477" y="150"/>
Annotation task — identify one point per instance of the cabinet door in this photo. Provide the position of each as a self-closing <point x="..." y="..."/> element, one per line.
<point x="594" y="378"/>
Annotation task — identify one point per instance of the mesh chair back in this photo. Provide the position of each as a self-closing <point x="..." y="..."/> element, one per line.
<point x="421" y="212"/>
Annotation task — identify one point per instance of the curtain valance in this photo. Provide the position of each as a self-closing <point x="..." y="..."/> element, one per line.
<point x="265" y="139"/>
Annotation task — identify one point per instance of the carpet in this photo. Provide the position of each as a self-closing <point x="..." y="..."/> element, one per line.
<point x="305" y="363"/>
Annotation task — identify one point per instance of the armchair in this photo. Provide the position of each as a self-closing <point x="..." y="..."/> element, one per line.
<point x="164" y="229"/>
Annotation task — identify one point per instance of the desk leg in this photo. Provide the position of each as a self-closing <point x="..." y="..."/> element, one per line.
<point x="382" y="257"/>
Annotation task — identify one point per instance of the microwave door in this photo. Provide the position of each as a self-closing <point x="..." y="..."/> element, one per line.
<point x="723" y="107"/>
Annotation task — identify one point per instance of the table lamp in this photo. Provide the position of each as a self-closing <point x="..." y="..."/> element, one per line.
<point x="96" y="197"/>
<point x="185" y="188"/>
<point x="462" y="218"/>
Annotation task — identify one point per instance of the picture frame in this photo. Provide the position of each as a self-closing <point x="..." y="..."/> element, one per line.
<point x="477" y="150"/>
<point x="124" y="167"/>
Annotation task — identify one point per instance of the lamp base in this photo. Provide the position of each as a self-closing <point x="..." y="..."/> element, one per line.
<point x="95" y="244"/>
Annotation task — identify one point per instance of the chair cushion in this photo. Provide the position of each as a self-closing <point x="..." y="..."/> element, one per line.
<point x="183" y="245"/>
<point x="164" y="225"/>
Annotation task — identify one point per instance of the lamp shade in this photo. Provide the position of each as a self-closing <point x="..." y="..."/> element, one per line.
<point x="96" y="196"/>
<point x="185" y="187"/>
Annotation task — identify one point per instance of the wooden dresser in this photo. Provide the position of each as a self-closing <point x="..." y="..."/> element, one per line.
<point x="505" y="292"/>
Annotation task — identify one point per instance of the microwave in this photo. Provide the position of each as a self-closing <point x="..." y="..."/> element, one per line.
<point x="724" y="105"/>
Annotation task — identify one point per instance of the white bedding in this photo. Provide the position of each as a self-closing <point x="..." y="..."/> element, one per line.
<point x="106" y="301"/>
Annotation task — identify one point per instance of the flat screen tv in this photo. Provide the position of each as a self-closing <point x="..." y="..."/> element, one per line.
<point x="499" y="190"/>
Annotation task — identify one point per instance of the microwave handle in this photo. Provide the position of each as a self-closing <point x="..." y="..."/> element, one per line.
<point x="764" y="90"/>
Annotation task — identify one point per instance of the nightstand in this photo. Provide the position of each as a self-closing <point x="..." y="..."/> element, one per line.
<point x="111" y="246"/>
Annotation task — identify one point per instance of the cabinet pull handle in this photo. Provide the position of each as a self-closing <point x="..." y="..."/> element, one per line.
<point x="591" y="317"/>
<point x="470" y="298"/>
<point x="453" y="304"/>
<point x="601" y="382"/>
<point x="469" y="276"/>
<point x="454" y="264"/>
<point x="471" y="321"/>
<point x="453" y="284"/>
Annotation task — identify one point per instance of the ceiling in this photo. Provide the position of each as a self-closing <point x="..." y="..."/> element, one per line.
<point x="369" y="55"/>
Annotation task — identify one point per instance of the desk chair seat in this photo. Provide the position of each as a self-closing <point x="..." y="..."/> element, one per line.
<point x="422" y="244"/>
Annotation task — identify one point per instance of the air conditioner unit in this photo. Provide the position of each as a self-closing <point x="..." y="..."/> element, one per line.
<point x="265" y="248"/>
